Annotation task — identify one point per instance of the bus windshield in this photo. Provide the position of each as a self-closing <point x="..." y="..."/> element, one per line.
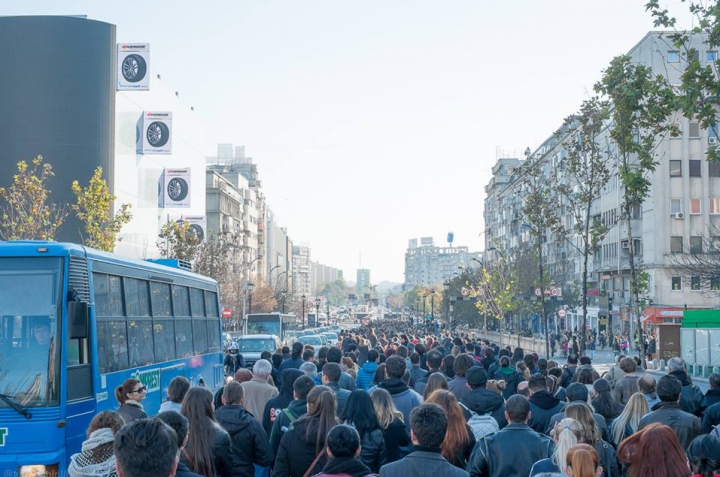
<point x="29" y="330"/>
<point x="263" y="326"/>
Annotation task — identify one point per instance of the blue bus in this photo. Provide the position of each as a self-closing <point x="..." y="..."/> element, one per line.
<point x="74" y="324"/>
<point x="277" y="324"/>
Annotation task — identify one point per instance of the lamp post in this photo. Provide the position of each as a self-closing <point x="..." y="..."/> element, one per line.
<point x="327" y="304"/>
<point x="318" y="301"/>
<point x="303" y="310"/>
<point x="270" y="274"/>
<point x="250" y="287"/>
<point x="432" y="304"/>
<point x="446" y="286"/>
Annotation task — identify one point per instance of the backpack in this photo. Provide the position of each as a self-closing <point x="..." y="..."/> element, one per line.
<point x="290" y="416"/>
<point x="481" y="424"/>
<point x="567" y="376"/>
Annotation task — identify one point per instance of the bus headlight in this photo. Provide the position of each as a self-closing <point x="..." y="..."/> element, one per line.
<point x="39" y="470"/>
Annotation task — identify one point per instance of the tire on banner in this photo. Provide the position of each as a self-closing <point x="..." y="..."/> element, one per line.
<point x="198" y="230"/>
<point x="177" y="189"/>
<point x="134" y="68"/>
<point x="158" y="134"/>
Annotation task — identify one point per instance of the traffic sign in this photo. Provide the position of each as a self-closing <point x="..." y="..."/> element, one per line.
<point x="555" y="291"/>
<point x="464" y="291"/>
<point x="538" y="292"/>
<point x="562" y="313"/>
<point x="227" y="312"/>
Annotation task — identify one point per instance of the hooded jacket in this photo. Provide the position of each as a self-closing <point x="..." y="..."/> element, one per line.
<point x="366" y="374"/>
<point x="275" y="406"/>
<point x="249" y="441"/>
<point x="691" y="396"/>
<point x="345" y="467"/>
<point x="484" y="401"/>
<point x="297" y="451"/>
<point x="297" y="408"/>
<point x="404" y="398"/>
<point x="511" y="377"/>
<point x="543" y="406"/>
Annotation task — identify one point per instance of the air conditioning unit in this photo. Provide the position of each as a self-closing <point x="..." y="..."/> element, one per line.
<point x="679" y="215"/>
<point x="712" y="141"/>
<point x="625" y="244"/>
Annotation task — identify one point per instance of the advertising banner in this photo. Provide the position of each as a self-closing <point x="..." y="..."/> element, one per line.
<point x="157" y="133"/>
<point x="198" y="224"/>
<point x="133" y="73"/>
<point x="176" y="188"/>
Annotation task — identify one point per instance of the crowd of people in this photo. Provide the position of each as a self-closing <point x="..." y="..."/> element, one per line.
<point x="392" y="400"/>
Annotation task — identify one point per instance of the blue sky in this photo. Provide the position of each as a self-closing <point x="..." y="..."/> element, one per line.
<point x="373" y="122"/>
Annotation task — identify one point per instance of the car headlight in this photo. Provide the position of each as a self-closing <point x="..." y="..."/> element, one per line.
<point x="39" y="470"/>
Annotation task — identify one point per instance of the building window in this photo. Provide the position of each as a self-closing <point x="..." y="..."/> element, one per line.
<point x="711" y="56"/>
<point x="676" y="206"/>
<point x="695" y="208"/>
<point x="676" y="245"/>
<point x="696" y="244"/>
<point x="715" y="283"/>
<point x="695" y="167"/>
<point x="714" y="169"/>
<point x="714" y="206"/>
<point x="695" y="283"/>
<point x="676" y="283"/>
<point x="673" y="57"/>
<point x="675" y="168"/>
<point x="694" y="130"/>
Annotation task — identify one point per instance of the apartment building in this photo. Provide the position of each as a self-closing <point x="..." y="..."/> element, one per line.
<point x="428" y="264"/>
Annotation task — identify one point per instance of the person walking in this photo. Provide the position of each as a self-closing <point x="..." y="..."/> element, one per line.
<point x="646" y="458"/>
<point x="130" y="395"/>
<point x="404" y="398"/>
<point x="258" y="391"/>
<point x="343" y="449"/>
<point x="395" y="434"/>
<point x="359" y="413"/>
<point x="208" y="451"/>
<point x="459" y="440"/>
<point x="97" y="458"/>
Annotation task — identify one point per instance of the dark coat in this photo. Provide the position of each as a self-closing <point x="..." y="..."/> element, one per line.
<point x="511" y="377"/>
<point x="686" y="426"/>
<point x="509" y="452"/>
<point x="275" y="406"/>
<point x="372" y="449"/>
<point x="184" y="471"/>
<point x="599" y="421"/>
<point x="396" y="436"/>
<point x="416" y="372"/>
<point x="222" y="452"/>
<point x="422" y="462"/>
<point x="711" y="418"/>
<point x="131" y="411"/>
<point x="690" y="396"/>
<point x="297" y="452"/>
<point x="297" y="408"/>
<point x="341" y="396"/>
<point x="712" y="396"/>
<point x="543" y="406"/>
<point x="484" y="401"/>
<point x="249" y="440"/>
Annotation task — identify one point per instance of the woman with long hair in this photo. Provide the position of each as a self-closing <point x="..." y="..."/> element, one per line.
<point x="628" y="422"/>
<point x="566" y="433"/>
<point x="129" y="395"/>
<point x="304" y="443"/>
<point x="435" y="381"/>
<point x="582" y="461"/>
<point x="703" y="453"/>
<point x="379" y="375"/>
<point x="391" y="422"/>
<point x="448" y="366"/>
<point x="517" y="356"/>
<point x="97" y="458"/>
<point x="359" y="412"/>
<point x="208" y="451"/>
<point x="603" y="402"/>
<point x="459" y="440"/>
<point x="592" y="435"/>
<point x="654" y="451"/>
<point x="509" y="374"/>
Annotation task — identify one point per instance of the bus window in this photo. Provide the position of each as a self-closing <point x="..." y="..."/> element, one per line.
<point x="213" y="337"/>
<point x="181" y="301"/>
<point x="139" y="339"/>
<point x="183" y="338"/>
<point x="160" y="299"/>
<point x="211" y="306"/>
<point x="137" y="299"/>
<point x="200" y="342"/>
<point x="112" y="346"/>
<point x="164" y="339"/>
<point x="197" y="304"/>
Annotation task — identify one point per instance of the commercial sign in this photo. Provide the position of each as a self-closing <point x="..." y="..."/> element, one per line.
<point x="157" y="132"/>
<point x="198" y="225"/>
<point x="133" y="73"/>
<point x="150" y="379"/>
<point x="176" y="188"/>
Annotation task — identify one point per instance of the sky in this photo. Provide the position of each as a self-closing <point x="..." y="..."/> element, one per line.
<point x="377" y="121"/>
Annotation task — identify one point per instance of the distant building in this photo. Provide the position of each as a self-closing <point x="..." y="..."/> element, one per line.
<point x="362" y="285"/>
<point x="429" y="265"/>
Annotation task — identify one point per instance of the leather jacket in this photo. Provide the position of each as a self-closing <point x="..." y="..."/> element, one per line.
<point x="509" y="452"/>
<point x="686" y="426"/>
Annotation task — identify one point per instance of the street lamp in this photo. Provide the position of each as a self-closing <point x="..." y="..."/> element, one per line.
<point x="327" y="304"/>
<point x="446" y="286"/>
<point x="432" y="304"/>
<point x="318" y="301"/>
<point x="270" y="275"/>
<point x="284" y="297"/>
<point x="303" y="310"/>
<point x="250" y="287"/>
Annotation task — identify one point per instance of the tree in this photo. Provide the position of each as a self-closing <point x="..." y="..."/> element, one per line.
<point x="178" y="240"/>
<point x="584" y="173"/>
<point x="94" y="209"/>
<point x="641" y="105"/>
<point x="28" y="213"/>
<point x="701" y="262"/>
<point x="263" y="299"/>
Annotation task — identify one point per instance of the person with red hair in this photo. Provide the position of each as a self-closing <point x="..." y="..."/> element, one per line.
<point x="647" y="458"/>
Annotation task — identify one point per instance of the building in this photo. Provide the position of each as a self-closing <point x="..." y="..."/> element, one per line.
<point x="302" y="284"/>
<point x="675" y="220"/>
<point x="429" y="265"/>
<point x="362" y="283"/>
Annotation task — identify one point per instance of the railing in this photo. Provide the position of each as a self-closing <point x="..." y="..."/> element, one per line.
<point x="532" y="345"/>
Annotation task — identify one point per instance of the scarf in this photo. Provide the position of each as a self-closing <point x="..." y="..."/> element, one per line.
<point x="133" y="402"/>
<point x="97" y="458"/>
<point x="346" y="465"/>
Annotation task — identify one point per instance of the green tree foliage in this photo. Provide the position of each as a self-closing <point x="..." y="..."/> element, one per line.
<point x="336" y="292"/>
<point x="178" y="240"/>
<point x="27" y="212"/>
<point x="699" y="96"/>
<point x="94" y="208"/>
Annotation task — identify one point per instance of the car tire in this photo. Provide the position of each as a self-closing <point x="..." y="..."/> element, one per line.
<point x="177" y="189"/>
<point x="198" y="230"/>
<point x="133" y="68"/>
<point x="157" y="134"/>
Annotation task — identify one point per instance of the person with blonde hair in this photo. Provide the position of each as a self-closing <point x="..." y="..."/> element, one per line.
<point x="628" y="422"/>
<point x="592" y="435"/>
<point x="391" y="422"/>
<point x="566" y="434"/>
<point x="582" y="461"/>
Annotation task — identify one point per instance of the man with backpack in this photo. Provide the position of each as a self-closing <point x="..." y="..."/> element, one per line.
<point x="298" y="407"/>
<point x="569" y="370"/>
<point x="480" y="401"/>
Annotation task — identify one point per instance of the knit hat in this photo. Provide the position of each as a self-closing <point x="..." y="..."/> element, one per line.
<point x="476" y="376"/>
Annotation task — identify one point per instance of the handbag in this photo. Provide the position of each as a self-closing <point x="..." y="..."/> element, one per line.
<point x="314" y="463"/>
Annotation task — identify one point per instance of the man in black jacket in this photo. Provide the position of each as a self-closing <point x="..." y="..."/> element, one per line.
<point x="691" y="396"/>
<point x="288" y="416"/>
<point x="146" y="448"/>
<point x="480" y="400"/>
<point x="577" y="392"/>
<point x="686" y="426"/>
<point x="513" y="450"/>
<point x="434" y="361"/>
<point x="250" y="444"/>
<point x="712" y="396"/>
<point x="543" y="405"/>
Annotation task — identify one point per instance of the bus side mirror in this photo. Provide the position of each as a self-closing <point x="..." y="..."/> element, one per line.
<point x="78" y="320"/>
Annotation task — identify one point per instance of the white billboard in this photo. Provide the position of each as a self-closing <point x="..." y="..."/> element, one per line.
<point x="133" y="72"/>
<point x="198" y="224"/>
<point x="157" y="132"/>
<point x="176" y="188"/>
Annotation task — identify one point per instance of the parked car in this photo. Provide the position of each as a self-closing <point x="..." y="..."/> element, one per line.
<point x="252" y="346"/>
<point x="332" y="337"/>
